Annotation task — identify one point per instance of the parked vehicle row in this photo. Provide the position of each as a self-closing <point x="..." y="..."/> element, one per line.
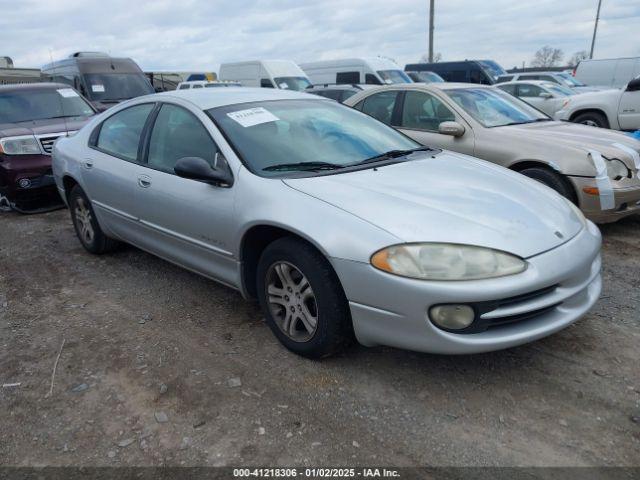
<point x="338" y="224"/>
<point x="32" y="118"/>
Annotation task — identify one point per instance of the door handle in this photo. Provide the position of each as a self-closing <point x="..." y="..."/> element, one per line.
<point x="88" y="164"/>
<point x="144" y="181"/>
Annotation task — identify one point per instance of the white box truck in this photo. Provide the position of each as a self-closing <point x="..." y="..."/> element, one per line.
<point x="376" y="71"/>
<point x="283" y="74"/>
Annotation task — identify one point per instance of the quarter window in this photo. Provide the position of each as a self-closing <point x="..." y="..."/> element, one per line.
<point x="176" y="134"/>
<point x="380" y="106"/>
<point x="120" y="134"/>
<point x="423" y="111"/>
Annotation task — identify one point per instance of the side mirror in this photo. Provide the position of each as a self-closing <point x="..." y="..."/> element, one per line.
<point x="633" y="85"/>
<point x="196" y="168"/>
<point x="451" y="128"/>
<point x="545" y="95"/>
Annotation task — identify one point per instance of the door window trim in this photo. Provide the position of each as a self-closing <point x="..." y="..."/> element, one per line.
<point x="95" y="134"/>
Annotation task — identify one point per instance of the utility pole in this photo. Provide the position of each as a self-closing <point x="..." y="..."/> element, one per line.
<point x="431" y="2"/>
<point x="595" y="29"/>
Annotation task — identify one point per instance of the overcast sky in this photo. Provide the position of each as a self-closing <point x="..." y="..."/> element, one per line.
<point x="192" y="35"/>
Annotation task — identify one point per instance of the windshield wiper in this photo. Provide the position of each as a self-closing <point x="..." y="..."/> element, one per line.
<point x="303" y="166"/>
<point x="393" y="154"/>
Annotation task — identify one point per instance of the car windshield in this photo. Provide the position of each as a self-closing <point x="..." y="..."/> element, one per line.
<point x="495" y="108"/>
<point x="293" y="83"/>
<point x="270" y="134"/>
<point x="559" y="89"/>
<point x="41" y="104"/>
<point x="116" y="86"/>
<point x="427" y="77"/>
<point x="570" y="80"/>
<point x="495" y="69"/>
<point x="394" y="76"/>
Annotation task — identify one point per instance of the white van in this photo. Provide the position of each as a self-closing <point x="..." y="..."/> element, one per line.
<point x="283" y="74"/>
<point x="614" y="72"/>
<point x="376" y="71"/>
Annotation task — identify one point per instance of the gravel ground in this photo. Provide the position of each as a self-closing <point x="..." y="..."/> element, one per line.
<point x="162" y="367"/>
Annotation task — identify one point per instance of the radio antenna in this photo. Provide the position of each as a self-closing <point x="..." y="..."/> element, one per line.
<point x="64" y="117"/>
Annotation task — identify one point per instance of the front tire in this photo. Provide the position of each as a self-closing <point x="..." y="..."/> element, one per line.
<point x="592" y="119"/>
<point x="551" y="179"/>
<point x="302" y="299"/>
<point x="86" y="224"/>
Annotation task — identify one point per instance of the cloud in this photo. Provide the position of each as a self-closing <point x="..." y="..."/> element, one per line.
<point x="201" y="34"/>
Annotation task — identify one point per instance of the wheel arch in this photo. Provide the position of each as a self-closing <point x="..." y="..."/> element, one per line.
<point x="68" y="182"/>
<point x="521" y="165"/>
<point x="598" y="110"/>
<point x="254" y="241"/>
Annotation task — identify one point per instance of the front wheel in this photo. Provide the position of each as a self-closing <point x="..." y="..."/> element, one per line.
<point x="86" y="224"/>
<point x="552" y="180"/>
<point x="302" y="299"/>
<point x="592" y="119"/>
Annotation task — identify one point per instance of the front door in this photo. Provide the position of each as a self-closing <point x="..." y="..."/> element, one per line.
<point x="421" y="116"/>
<point x="188" y="221"/>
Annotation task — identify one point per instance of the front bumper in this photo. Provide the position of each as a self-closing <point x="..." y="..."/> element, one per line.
<point x="27" y="183"/>
<point x="626" y="200"/>
<point x="393" y="311"/>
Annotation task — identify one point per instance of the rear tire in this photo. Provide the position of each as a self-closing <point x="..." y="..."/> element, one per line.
<point x="302" y="299"/>
<point x="552" y="180"/>
<point x="592" y="119"/>
<point x="86" y="224"/>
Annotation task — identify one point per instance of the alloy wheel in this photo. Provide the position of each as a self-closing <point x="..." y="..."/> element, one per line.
<point x="82" y="216"/>
<point x="291" y="301"/>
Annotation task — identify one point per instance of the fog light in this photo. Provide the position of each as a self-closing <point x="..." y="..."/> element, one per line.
<point x="452" y="317"/>
<point x="24" y="183"/>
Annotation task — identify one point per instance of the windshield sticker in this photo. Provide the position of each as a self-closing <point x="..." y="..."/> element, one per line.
<point x="97" y="88"/>
<point x="283" y="85"/>
<point x="252" y="116"/>
<point x="68" y="93"/>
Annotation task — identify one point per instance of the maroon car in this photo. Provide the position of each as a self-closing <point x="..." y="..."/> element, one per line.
<point x="32" y="117"/>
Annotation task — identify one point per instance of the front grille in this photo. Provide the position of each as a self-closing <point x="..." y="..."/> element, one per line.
<point x="47" y="143"/>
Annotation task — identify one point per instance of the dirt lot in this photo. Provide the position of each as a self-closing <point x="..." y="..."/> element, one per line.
<point x="162" y="367"/>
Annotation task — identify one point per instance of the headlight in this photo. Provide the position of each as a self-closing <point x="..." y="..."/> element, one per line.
<point x="445" y="261"/>
<point x="616" y="169"/>
<point x="27" y="145"/>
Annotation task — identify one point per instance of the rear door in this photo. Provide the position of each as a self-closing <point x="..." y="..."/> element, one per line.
<point x="111" y="168"/>
<point x="187" y="221"/>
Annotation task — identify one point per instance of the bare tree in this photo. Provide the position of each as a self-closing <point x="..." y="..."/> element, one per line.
<point x="577" y="57"/>
<point x="547" y="57"/>
<point x="436" y="58"/>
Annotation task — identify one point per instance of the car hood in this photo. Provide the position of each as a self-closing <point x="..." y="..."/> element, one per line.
<point x="575" y="136"/>
<point x="42" y="127"/>
<point x="451" y="198"/>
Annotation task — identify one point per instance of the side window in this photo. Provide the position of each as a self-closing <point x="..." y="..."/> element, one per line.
<point x="371" y="79"/>
<point x="528" y="91"/>
<point x="380" y="106"/>
<point x="332" y="94"/>
<point x="549" y="78"/>
<point x="347" y="94"/>
<point x="197" y="85"/>
<point x="423" y="111"/>
<point x="185" y="86"/>
<point x="266" y="83"/>
<point x="505" y="78"/>
<point x="508" y="88"/>
<point x="456" y="76"/>
<point x="348" y="77"/>
<point x="120" y="133"/>
<point x="359" y="105"/>
<point x="177" y="133"/>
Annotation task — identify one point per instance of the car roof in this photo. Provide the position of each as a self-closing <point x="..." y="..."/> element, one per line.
<point x="32" y="86"/>
<point x="533" y="82"/>
<point x="206" y="98"/>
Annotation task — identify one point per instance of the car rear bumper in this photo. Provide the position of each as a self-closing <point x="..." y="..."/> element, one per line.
<point x="557" y="288"/>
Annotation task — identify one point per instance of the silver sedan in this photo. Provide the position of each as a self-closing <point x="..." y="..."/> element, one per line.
<point x="337" y="224"/>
